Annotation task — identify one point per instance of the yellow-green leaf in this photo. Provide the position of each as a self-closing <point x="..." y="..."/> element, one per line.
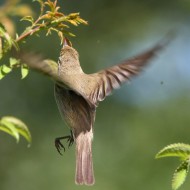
<point x="180" y="175"/>
<point x="1" y="73"/>
<point x="5" y="69"/>
<point x="14" y="127"/>
<point x="9" y="128"/>
<point x="28" y="18"/>
<point x="24" y="70"/>
<point x="179" y="150"/>
<point x="13" y="61"/>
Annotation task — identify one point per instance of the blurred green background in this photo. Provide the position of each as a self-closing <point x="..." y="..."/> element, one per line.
<point x="131" y="126"/>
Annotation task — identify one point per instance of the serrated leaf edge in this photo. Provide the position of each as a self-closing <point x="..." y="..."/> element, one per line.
<point x="178" y="150"/>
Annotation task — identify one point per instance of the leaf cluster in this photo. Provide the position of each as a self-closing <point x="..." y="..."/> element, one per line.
<point x="13" y="63"/>
<point x="50" y="19"/>
<point x="181" y="151"/>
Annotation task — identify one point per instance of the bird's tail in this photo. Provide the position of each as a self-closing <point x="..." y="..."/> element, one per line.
<point x="84" y="164"/>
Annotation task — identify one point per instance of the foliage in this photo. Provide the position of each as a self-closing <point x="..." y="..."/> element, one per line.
<point x="50" y="19"/>
<point x="13" y="63"/>
<point x="183" y="152"/>
<point x="15" y="127"/>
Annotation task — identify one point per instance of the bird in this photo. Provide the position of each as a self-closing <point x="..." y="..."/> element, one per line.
<point x="78" y="94"/>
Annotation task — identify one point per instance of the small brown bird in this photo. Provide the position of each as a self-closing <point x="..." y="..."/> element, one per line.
<point x="77" y="95"/>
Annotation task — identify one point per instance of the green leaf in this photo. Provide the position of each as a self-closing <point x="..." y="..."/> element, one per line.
<point x="8" y="41"/>
<point x="14" y="127"/>
<point x="21" y="127"/>
<point x="179" y="150"/>
<point x="24" y="70"/>
<point x="4" y="70"/>
<point x="1" y="73"/>
<point x="69" y="33"/>
<point x="28" y="18"/>
<point x="180" y="175"/>
<point x="9" y="128"/>
<point x="13" y="61"/>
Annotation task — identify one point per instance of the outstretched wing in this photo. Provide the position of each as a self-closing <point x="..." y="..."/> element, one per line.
<point x="36" y="62"/>
<point x="112" y="78"/>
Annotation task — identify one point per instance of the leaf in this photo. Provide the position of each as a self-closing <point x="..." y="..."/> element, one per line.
<point x="4" y="70"/>
<point x="14" y="127"/>
<point x="24" y="70"/>
<point x="180" y="174"/>
<point x="69" y="33"/>
<point x="28" y="18"/>
<point x="13" y="61"/>
<point x="41" y="5"/>
<point x="8" y="41"/>
<point x="9" y="128"/>
<point x="179" y="150"/>
<point x="1" y="74"/>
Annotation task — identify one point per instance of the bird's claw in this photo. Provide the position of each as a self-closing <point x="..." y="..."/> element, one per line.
<point x="70" y="140"/>
<point x="60" y="146"/>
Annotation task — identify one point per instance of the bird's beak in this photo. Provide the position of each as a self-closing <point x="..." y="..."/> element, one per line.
<point x="66" y="42"/>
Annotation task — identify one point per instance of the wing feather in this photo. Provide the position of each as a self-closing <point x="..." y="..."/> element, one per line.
<point x="113" y="77"/>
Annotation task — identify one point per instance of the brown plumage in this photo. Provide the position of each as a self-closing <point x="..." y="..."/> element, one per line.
<point x="77" y="95"/>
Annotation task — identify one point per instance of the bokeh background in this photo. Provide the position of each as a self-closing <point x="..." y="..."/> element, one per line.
<point x="131" y="126"/>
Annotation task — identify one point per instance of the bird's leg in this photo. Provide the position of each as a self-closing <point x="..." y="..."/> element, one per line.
<point x="59" y="145"/>
<point x="70" y="140"/>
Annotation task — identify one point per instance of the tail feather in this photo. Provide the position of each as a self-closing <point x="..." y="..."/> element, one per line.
<point x="84" y="163"/>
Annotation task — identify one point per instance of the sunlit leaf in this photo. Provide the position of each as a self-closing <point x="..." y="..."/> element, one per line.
<point x="61" y="36"/>
<point x="180" y="175"/>
<point x="5" y="129"/>
<point x="24" y="70"/>
<point x="8" y="127"/>
<point x="28" y="18"/>
<point x="16" y="126"/>
<point x="4" y="70"/>
<point x="13" y="61"/>
<point x="179" y="150"/>
<point x="69" y="33"/>
<point x="8" y="41"/>
<point x="2" y="75"/>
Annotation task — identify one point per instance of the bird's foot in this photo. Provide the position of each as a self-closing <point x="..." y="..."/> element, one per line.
<point x="60" y="146"/>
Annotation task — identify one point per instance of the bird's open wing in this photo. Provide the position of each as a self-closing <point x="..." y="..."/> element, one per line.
<point x="37" y="63"/>
<point x="112" y="78"/>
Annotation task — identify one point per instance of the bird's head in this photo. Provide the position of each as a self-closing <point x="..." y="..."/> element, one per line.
<point x="68" y="54"/>
<point x="68" y="62"/>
